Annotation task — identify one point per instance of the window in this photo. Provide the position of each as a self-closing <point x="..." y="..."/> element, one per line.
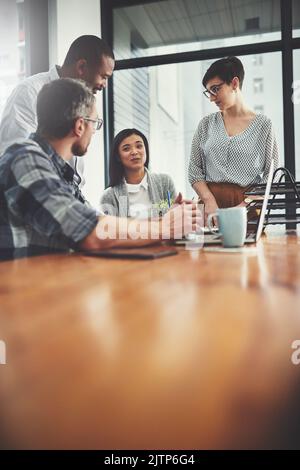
<point x="296" y="18"/>
<point x="257" y="60"/>
<point x="22" y="62"/>
<point x="187" y="25"/>
<point x="168" y="104"/>
<point x="258" y="85"/>
<point x="21" y="22"/>
<point x="12" y="47"/>
<point x="259" y="109"/>
<point x="190" y="35"/>
<point x="296" y="100"/>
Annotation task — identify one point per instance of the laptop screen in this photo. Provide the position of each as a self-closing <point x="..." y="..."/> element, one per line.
<point x="265" y="203"/>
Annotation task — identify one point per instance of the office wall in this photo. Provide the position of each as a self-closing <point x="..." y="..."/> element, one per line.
<point x="69" y="19"/>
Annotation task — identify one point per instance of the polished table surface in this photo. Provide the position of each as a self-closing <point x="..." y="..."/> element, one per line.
<point x="187" y="352"/>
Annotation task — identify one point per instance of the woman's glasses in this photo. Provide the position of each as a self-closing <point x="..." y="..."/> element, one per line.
<point x="214" y="90"/>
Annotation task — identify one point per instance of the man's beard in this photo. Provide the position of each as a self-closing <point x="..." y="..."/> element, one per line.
<point x="78" y="150"/>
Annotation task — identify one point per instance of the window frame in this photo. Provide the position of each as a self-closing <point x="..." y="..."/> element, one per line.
<point x="286" y="45"/>
<point x="36" y="21"/>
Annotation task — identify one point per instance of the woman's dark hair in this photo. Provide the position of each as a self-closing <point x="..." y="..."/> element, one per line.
<point x="226" y="69"/>
<point x="116" y="169"/>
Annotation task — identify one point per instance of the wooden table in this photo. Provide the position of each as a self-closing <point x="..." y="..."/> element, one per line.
<point x="188" y="352"/>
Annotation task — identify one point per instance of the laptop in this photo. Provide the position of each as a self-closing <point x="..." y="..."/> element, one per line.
<point x="252" y="235"/>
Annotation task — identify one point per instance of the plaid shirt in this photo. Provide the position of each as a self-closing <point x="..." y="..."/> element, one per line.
<point x="41" y="207"/>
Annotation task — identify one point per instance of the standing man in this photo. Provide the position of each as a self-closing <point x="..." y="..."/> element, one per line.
<point x="89" y="58"/>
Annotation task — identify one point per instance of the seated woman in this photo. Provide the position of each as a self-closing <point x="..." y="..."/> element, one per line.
<point x="135" y="191"/>
<point x="232" y="148"/>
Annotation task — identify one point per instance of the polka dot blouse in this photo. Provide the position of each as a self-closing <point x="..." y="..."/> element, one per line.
<point x="241" y="159"/>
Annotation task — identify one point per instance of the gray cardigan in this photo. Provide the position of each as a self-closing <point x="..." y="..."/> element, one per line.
<point x="115" y="200"/>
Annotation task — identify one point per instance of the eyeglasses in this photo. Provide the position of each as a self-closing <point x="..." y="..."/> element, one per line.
<point x="97" y="123"/>
<point x="213" y="91"/>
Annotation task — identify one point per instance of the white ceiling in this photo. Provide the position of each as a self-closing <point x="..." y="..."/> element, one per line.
<point x="178" y="21"/>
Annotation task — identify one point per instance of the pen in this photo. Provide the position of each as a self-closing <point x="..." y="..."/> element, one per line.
<point x="169" y="199"/>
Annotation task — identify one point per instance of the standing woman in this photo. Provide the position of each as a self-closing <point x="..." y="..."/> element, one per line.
<point x="135" y="191"/>
<point x="232" y="148"/>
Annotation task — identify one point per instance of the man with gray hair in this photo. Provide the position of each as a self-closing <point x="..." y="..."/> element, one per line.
<point x="42" y="210"/>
